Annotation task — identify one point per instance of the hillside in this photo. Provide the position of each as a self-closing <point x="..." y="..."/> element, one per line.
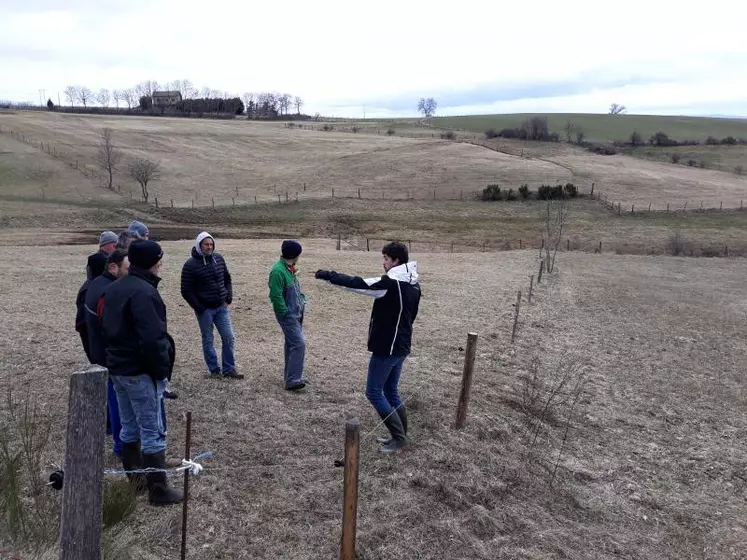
<point x="608" y="128"/>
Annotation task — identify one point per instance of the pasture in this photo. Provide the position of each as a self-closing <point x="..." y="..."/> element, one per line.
<point x="650" y="463"/>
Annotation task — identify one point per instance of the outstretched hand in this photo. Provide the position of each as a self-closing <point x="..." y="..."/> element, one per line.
<point x="322" y="274"/>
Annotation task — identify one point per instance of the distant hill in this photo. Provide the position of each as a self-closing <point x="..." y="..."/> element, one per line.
<point x="602" y="128"/>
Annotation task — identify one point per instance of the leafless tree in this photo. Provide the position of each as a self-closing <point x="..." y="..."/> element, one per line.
<point x="298" y="102"/>
<point x="580" y="137"/>
<point x="555" y="219"/>
<point x="107" y="156"/>
<point x="146" y="88"/>
<point x="285" y="102"/>
<point x="85" y="95"/>
<point x="206" y="93"/>
<point x="616" y="109"/>
<point x="569" y="130"/>
<point x="71" y="94"/>
<point x="143" y="171"/>
<point x="128" y="96"/>
<point x="187" y="89"/>
<point x="103" y="97"/>
<point x="117" y="97"/>
<point x="427" y="107"/>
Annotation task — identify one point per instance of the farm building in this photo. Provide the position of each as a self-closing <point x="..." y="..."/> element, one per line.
<point x="166" y="98"/>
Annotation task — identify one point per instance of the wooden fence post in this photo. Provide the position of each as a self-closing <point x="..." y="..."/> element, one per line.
<point x="156" y="202"/>
<point x="185" y="506"/>
<point x="350" y="489"/>
<point x="600" y="247"/>
<point x="359" y="192"/>
<point x="339" y="239"/>
<point x="592" y="190"/>
<point x="567" y="245"/>
<point x="368" y="247"/>
<point x="667" y="207"/>
<point x="193" y="203"/>
<point x="81" y="521"/>
<point x="469" y="365"/>
<point x="213" y="203"/>
<point x="233" y="201"/>
<point x="516" y="316"/>
<point x="172" y="202"/>
<point x="333" y="193"/>
<point x="531" y="288"/>
<point x="542" y="269"/>
<point x="279" y="198"/>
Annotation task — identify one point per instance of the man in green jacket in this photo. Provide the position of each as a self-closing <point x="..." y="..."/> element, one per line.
<point x="288" y="302"/>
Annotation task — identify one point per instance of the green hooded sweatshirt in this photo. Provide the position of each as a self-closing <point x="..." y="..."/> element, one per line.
<point x="285" y="291"/>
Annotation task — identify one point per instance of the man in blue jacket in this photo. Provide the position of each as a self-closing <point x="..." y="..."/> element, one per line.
<point x="397" y="298"/>
<point x="139" y="356"/>
<point x="206" y="286"/>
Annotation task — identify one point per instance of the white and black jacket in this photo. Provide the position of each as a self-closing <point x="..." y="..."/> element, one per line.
<point x="397" y="296"/>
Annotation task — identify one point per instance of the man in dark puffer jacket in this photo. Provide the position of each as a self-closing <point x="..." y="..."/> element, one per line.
<point x="207" y="288"/>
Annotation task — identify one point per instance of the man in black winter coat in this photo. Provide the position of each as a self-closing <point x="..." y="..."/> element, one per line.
<point x="397" y="298"/>
<point x="207" y="288"/>
<point x="139" y="357"/>
<point x="94" y="268"/>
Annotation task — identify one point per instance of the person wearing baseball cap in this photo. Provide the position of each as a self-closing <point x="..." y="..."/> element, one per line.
<point x="288" y="302"/>
<point x="139" y="356"/>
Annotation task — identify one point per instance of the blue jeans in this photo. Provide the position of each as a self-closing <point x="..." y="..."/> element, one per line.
<point x="113" y="409"/>
<point x="294" y="350"/>
<point x="141" y="411"/>
<point x="221" y="318"/>
<point x="382" y="384"/>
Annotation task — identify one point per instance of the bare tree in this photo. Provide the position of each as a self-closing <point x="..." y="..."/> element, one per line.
<point x="636" y="139"/>
<point x="616" y="109"/>
<point x="107" y="156"/>
<point x="103" y="97"/>
<point x="117" y="97"/>
<point x="71" y="94"/>
<point x="128" y="96"/>
<point x="569" y="128"/>
<point x="143" y="171"/>
<point x="187" y="89"/>
<point x="580" y="137"/>
<point x="427" y="107"/>
<point x="146" y="88"/>
<point x="298" y="102"/>
<point x="555" y="218"/>
<point x="85" y="95"/>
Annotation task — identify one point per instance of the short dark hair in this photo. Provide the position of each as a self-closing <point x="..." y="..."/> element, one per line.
<point x="116" y="257"/>
<point x="396" y="251"/>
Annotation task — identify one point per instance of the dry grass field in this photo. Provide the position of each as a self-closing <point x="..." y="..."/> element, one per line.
<point x="651" y="461"/>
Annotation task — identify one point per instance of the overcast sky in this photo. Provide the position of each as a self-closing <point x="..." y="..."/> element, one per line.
<point x="657" y="56"/>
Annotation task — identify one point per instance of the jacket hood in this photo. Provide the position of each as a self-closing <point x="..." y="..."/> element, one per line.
<point x="407" y="272"/>
<point x="200" y="238"/>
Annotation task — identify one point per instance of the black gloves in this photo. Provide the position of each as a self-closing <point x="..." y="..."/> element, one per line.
<point x="323" y="274"/>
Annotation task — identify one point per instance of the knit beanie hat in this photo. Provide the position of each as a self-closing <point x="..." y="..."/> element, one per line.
<point x="138" y="229"/>
<point x="107" y="237"/>
<point x="144" y="254"/>
<point x="290" y="249"/>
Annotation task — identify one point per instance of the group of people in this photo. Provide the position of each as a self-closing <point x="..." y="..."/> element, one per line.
<point x="123" y="327"/>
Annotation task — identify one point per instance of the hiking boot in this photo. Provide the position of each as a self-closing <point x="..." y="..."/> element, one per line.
<point x="170" y="395"/>
<point x="132" y="460"/>
<point x="159" y="491"/>
<point x="296" y="386"/>
<point x="399" y="440"/>
<point x="232" y="375"/>
<point x="214" y="372"/>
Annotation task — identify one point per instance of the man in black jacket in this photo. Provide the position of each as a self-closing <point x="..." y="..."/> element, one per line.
<point x="139" y="357"/>
<point x="397" y="296"/>
<point x="116" y="267"/>
<point x="207" y="288"/>
<point x="94" y="269"/>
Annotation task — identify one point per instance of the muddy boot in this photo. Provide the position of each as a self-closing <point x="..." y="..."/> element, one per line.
<point x="159" y="491"/>
<point x="132" y="460"/>
<point x="402" y="413"/>
<point x="399" y="439"/>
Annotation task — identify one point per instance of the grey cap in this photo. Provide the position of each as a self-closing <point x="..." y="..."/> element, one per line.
<point x="107" y="237"/>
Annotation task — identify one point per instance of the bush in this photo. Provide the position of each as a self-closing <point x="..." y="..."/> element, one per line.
<point x="711" y="141"/>
<point x="492" y="193"/>
<point x="677" y="245"/>
<point x="328" y="127"/>
<point x="692" y="162"/>
<point x="291" y="125"/>
<point x="580" y="137"/>
<point x="729" y="141"/>
<point x="739" y="170"/>
<point x="548" y="192"/>
<point x="702" y="164"/>
<point x="554" y="137"/>
<point x="524" y="191"/>
<point x="390" y="132"/>
<point x="636" y="139"/>
<point x="602" y="149"/>
<point x="662" y="139"/>
<point x="490" y="133"/>
<point x="675" y="157"/>
<point x="448" y="135"/>
<point x="510" y="195"/>
<point x="510" y="133"/>
<point x="570" y="190"/>
<point x="354" y="128"/>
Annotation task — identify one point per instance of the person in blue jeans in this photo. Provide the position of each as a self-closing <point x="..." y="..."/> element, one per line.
<point x="397" y="299"/>
<point x="288" y="303"/>
<point x="140" y="358"/>
<point x="207" y="288"/>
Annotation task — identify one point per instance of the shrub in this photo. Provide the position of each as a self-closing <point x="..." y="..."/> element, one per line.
<point x="554" y="137"/>
<point x="328" y="127"/>
<point x="524" y="191"/>
<point x="636" y="139"/>
<point x="291" y="125"/>
<point x="354" y="128"/>
<point x="675" y="157"/>
<point x="490" y="133"/>
<point x="510" y="195"/>
<point x="677" y="245"/>
<point x="509" y="133"/>
<point x="580" y="137"/>
<point x="448" y="135"/>
<point x="548" y="192"/>
<point x="711" y="141"/>
<point x="492" y="193"/>
<point x="390" y="132"/>
<point x="702" y="164"/>
<point x="570" y="190"/>
<point x="692" y="163"/>
<point x="739" y="170"/>
<point x="729" y="140"/>
<point x="602" y="149"/>
<point x="662" y="139"/>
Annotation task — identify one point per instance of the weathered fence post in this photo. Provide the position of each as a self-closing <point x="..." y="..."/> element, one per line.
<point x="233" y="201"/>
<point x="667" y="207"/>
<point x="600" y="247"/>
<point x="542" y="269"/>
<point x="516" y="316"/>
<point x="469" y="365"/>
<point x="531" y="288"/>
<point x="185" y="507"/>
<point x="81" y="520"/>
<point x="193" y="203"/>
<point x="567" y="245"/>
<point x="213" y="203"/>
<point x="333" y="193"/>
<point x="339" y="239"/>
<point x="172" y="202"/>
<point x="156" y="202"/>
<point x="279" y="198"/>
<point x="359" y="192"/>
<point x="368" y="247"/>
<point x="350" y="489"/>
<point x="592" y="190"/>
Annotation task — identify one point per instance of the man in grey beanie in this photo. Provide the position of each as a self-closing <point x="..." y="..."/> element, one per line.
<point x="97" y="261"/>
